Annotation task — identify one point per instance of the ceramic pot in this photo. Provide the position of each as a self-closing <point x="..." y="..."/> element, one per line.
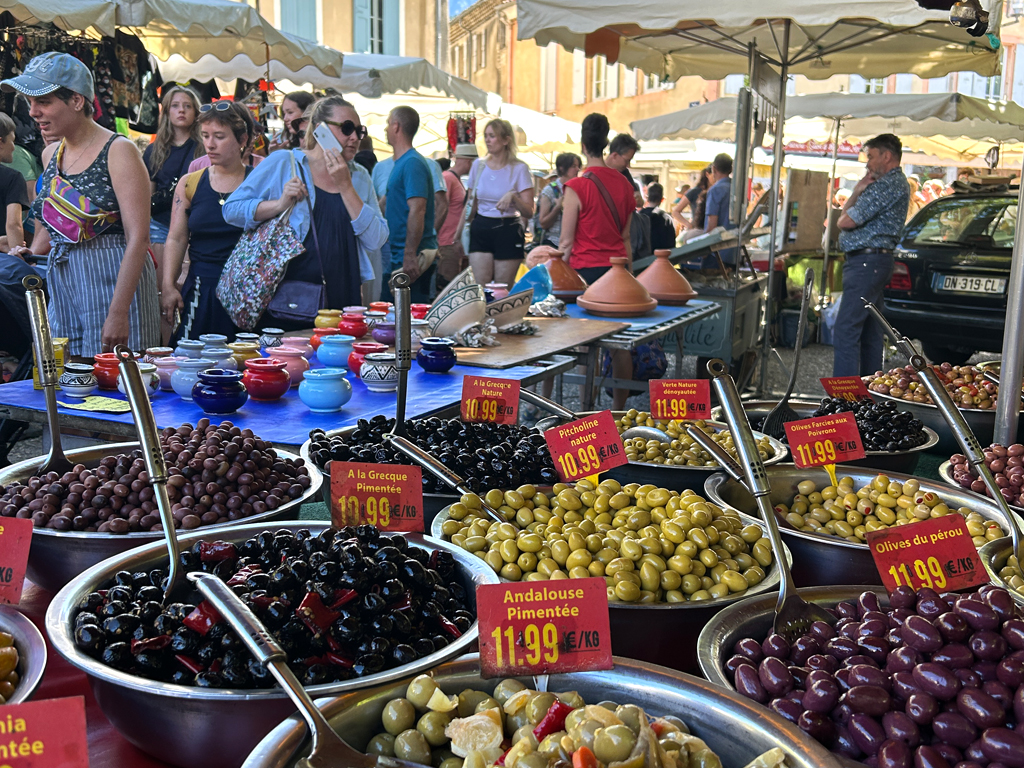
<point x="333" y="352"/>
<point x="327" y="318"/>
<point x="354" y="310"/>
<point x="457" y="310"/>
<point x="320" y="334"/>
<point x="419" y="330"/>
<point x="150" y="378"/>
<point x="617" y="294"/>
<point x="183" y="379"/>
<point x="372" y="316"/>
<point x="219" y="392"/>
<point x="384" y="333"/>
<point x="419" y="311"/>
<point x="566" y="283"/>
<point x="165" y="367"/>
<point x="325" y="390"/>
<point x="666" y="283"/>
<point x="380" y="306"/>
<point x="78" y="380"/>
<point x="270" y="338"/>
<point x="379" y="372"/>
<point x="155" y="352"/>
<point x="498" y="290"/>
<point x="436" y="355"/>
<point x="266" y="378"/>
<point x="192" y="348"/>
<point x="359" y="350"/>
<point x="244" y="350"/>
<point x="353" y="325"/>
<point x="248" y="338"/>
<point x="105" y="369"/>
<point x="300" y="342"/>
<point x="223" y="357"/>
<point x="295" y="362"/>
<point x="214" y="341"/>
<point x="510" y="310"/>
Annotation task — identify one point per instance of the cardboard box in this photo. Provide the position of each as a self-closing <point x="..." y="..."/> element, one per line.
<point x="60" y="352"/>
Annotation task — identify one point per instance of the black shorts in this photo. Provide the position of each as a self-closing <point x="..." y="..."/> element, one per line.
<point x="502" y="237"/>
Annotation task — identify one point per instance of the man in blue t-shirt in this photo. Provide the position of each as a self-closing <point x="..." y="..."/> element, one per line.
<point x="716" y="206"/>
<point x="409" y="208"/>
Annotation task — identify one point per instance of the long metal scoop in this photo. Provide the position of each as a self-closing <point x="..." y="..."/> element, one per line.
<point x="46" y="360"/>
<point x="778" y="416"/>
<point x="400" y="283"/>
<point x="153" y="455"/>
<point x="564" y="414"/>
<point x="793" y="614"/>
<point x="727" y="462"/>
<point x="329" y="751"/>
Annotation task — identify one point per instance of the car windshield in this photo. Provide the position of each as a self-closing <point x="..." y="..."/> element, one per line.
<point x="986" y="222"/>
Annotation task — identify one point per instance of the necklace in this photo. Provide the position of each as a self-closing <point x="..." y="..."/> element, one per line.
<point x="223" y="196"/>
<point x="81" y="154"/>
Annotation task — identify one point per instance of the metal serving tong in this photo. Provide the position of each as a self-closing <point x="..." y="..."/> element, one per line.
<point x="46" y="360"/>
<point x="153" y="455"/>
<point x="793" y="614"/>
<point x="994" y="378"/>
<point x="647" y="433"/>
<point x="956" y="421"/>
<point x="329" y="750"/>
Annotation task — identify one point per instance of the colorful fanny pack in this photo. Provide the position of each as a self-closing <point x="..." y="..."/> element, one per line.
<point x="72" y="214"/>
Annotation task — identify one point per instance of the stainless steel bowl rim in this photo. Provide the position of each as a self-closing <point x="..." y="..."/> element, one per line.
<point x="873" y="393"/>
<point x="15" y="471"/>
<point x="780" y="448"/>
<point x="933" y="440"/>
<point x="998" y="550"/>
<point x="61" y="612"/>
<point x="946" y="473"/>
<point x="31" y="651"/>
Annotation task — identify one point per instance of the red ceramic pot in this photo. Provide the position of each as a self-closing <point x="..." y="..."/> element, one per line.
<point x="360" y="350"/>
<point x="266" y="378"/>
<point x="419" y="311"/>
<point x="106" y="368"/>
<point x="379" y="306"/>
<point x="353" y="324"/>
<point x="318" y="336"/>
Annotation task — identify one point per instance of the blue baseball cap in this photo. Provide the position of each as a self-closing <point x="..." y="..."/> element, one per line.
<point x="48" y="72"/>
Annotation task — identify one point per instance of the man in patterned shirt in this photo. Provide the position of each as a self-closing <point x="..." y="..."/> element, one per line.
<point x="871" y="222"/>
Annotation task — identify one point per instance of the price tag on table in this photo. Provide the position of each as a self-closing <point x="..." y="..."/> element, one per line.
<point x="543" y="627"/>
<point x="937" y="553"/>
<point x="680" y="399"/>
<point x="386" y="496"/>
<point x="845" y="388"/>
<point x="44" y="734"/>
<point x="586" y="446"/>
<point x="490" y="400"/>
<point x="15" y="541"/>
<point x="825" y="441"/>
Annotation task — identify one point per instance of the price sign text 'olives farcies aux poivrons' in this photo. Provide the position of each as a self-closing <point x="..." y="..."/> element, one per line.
<point x="586" y="446"/>
<point x="386" y="496"/>
<point x="824" y="440"/>
<point x="15" y="541"/>
<point x="938" y="553"/>
<point x="845" y="388"/>
<point x="680" y="399"/>
<point x="44" y="734"/>
<point x="538" y="627"/>
<point x="490" y="400"/>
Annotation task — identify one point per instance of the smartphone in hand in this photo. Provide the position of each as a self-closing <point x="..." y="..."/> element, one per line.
<point x="326" y="138"/>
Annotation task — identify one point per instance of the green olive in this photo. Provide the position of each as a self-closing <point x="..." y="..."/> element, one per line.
<point x="532" y="760"/>
<point x="399" y="715"/>
<point x="420" y="690"/>
<point x="614" y="743"/>
<point x="381" y="744"/>
<point x="670" y="744"/>
<point x="677" y="722"/>
<point x="432" y="726"/>
<point x="538" y="706"/>
<point x="584" y="737"/>
<point x="574" y="719"/>
<point x="630" y="714"/>
<point x="504" y="689"/>
<point x="572" y="698"/>
<point x="704" y="758"/>
<point x="488" y="703"/>
<point x="525" y="732"/>
<point x="468" y="700"/>
<point x="438" y="756"/>
<point x="611" y="706"/>
<point x="549" y="747"/>
<point x="411" y="745"/>
<point x="452" y="762"/>
<point x="517" y="720"/>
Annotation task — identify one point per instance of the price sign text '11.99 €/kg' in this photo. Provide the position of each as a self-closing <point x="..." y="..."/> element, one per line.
<point x="680" y="399"/>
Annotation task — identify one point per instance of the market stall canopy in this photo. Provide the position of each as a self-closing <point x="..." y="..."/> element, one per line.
<point x="541" y="133"/>
<point x="67" y="14"/>
<point x="873" y="38"/>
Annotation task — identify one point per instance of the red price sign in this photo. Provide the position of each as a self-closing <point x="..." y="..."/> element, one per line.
<point x="845" y="388"/>
<point x="492" y="400"/>
<point x="15" y="540"/>
<point x="937" y="553"/>
<point x="386" y="496"/>
<point x="824" y="440"/>
<point x="536" y="627"/>
<point x="45" y="734"/>
<point x="586" y="446"/>
<point x="680" y="399"/>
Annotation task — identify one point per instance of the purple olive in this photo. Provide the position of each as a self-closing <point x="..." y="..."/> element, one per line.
<point x="873" y="628"/>
<point x="930" y="604"/>
<point x="937" y="680"/>
<point x="921" y="635"/>
<point x="929" y="757"/>
<point x="824" y="662"/>
<point x="822" y="631"/>
<point x="904" y="686"/>
<point x="869" y="699"/>
<point x="954" y="656"/>
<point x="775" y="677"/>
<point x="817" y="726"/>
<point x="787" y="708"/>
<point x="953" y="627"/>
<point x="868" y="601"/>
<point x="1003" y="745"/>
<point x="846" y="610"/>
<point x="1018" y="705"/>
<point x="795" y="695"/>
<point x="799" y="676"/>
<point x="844" y="743"/>
<point x="988" y="645"/>
<point x="748" y="684"/>
<point x="867" y="732"/>
<point x="1010" y="672"/>
<point x="900" y="727"/>
<point x="986" y="670"/>
<point x="821" y="696"/>
<point x="951" y="754"/>
<point x="903" y="597"/>
<point x="859" y="659"/>
<point x="899" y="615"/>
<point x="975" y="753"/>
<point x="1000" y="692"/>
<point x="980" y="708"/>
<point x="894" y="754"/>
<point x="955" y="729"/>
<point x="842" y="713"/>
<point x="1013" y="633"/>
<point x="818" y="674"/>
<point x="968" y="764"/>
<point x="849" y="629"/>
<point x="968" y="678"/>
<point x="978" y="614"/>
<point x="843" y="679"/>
<point x="735" y="661"/>
<point x="877" y="648"/>
<point x="803" y="649"/>
<point x="750" y="648"/>
<point x="902" y="659"/>
<point x="862" y="674"/>
<point x="1001" y="603"/>
<point x="841" y="647"/>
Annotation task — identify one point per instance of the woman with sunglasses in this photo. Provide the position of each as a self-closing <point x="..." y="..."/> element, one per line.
<point x="197" y="224"/>
<point x="293" y="110"/>
<point x="248" y="158"/>
<point x="349" y="227"/>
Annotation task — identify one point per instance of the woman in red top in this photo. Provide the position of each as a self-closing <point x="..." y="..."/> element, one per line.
<point x="592" y="232"/>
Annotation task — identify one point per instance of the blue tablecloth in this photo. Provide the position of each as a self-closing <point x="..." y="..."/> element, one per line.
<point x="661" y="314"/>
<point x="286" y="421"/>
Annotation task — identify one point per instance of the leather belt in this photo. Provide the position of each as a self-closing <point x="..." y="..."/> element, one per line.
<point x="866" y="251"/>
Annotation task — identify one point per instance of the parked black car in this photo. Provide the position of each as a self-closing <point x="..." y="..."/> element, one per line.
<point x="951" y="268"/>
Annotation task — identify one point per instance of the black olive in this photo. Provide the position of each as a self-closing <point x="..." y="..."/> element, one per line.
<point x="236" y="674"/>
<point x="259" y="674"/>
<point x="149" y="593"/>
<point x="368" y="664"/>
<point x="413" y="570"/>
<point x="206" y="654"/>
<point x="165" y="625"/>
<point x="85" y="617"/>
<point x="316" y="674"/>
<point x="114" y="608"/>
<point x="150" y="611"/>
<point x="120" y="594"/>
<point x="118" y="656"/>
<point x="403" y="654"/>
<point x="401" y="624"/>
<point x="440" y="641"/>
<point x="121" y="626"/>
<point x="209" y="680"/>
<point x="90" y="638"/>
<point x="153" y="662"/>
<point x="224" y="570"/>
<point x="392" y="591"/>
<point x="373" y="604"/>
<point x="185" y="641"/>
<point x="183" y="677"/>
<point x="258" y="581"/>
<point x="217" y="631"/>
<point x="423" y="646"/>
<point x="277" y="613"/>
<point x="179" y="610"/>
<point x="123" y="579"/>
<point x="91" y="602"/>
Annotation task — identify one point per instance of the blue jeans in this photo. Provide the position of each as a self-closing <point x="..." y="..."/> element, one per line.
<point x="857" y="338"/>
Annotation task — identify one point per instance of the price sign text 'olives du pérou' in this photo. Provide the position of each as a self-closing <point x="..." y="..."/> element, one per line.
<point x="490" y="400"/>
<point x="937" y="553"/>
<point x="386" y="496"/>
<point x="680" y="399"/>
<point x="543" y="627"/>
<point x="44" y="734"/>
<point x="824" y="440"/>
<point x="845" y="388"/>
<point x="15" y="540"/>
<point x="586" y="446"/>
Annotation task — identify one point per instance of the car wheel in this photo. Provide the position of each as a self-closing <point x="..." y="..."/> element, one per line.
<point x="939" y="353"/>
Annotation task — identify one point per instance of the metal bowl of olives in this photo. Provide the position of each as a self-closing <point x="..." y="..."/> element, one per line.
<point x="715" y="715"/>
<point x="994" y="556"/>
<point x="197" y="727"/>
<point x="823" y="560"/>
<point x="758" y="410"/>
<point x="31" y="652"/>
<point x="982" y="422"/>
<point x="56" y="557"/>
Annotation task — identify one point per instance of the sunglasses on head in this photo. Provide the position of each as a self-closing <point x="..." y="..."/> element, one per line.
<point x="348" y="128"/>
<point x="220" y="106"/>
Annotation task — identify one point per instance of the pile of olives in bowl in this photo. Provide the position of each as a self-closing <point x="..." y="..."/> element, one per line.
<point x="1005" y="462"/>
<point x="965" y="383"/>
<point x="486" y="455"/>
<point x="881" y="426"/>
<point x="682" y="450"/>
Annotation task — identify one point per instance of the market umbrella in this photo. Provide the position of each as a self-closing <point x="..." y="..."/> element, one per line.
<point x="66" y="14"/>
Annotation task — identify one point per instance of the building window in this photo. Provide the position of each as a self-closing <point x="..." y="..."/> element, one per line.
<point x="904" y="83"/>
<point x="479" y="51"/>
<point x="502" y="34"/>
<point x="652" y="83"/>
<point x="938" y="84"/>
<point x="375" y="26"/>
<point x="732" y="84"/>
<point x="457" y="61"/>
<point x="629" y="82"/>
<point x="298" y="17"/>
<point x="1015" y="8"/>
<point x="600" y="78"/>
<point x="549" y="78"/>
<point x="579" y="77"/>
<point x="860" y="84"/>
<point x="973" y="84"/>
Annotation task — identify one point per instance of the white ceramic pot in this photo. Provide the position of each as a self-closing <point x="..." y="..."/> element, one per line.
<point x="379" y="372"/>
<point x="150" y="378"/>
<point x="77" y="380"/>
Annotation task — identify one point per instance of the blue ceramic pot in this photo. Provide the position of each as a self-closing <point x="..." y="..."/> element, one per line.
<point x="191" y="348"/>
<point x="183" y="379"/>
<point x="325" y="390"/>
<point x="436" y="355"/>
<point x="219" y="392"/>
<point x="333" y="351"/>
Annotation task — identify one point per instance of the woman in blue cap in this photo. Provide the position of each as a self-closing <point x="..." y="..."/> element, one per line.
<point x="94" y="206"/>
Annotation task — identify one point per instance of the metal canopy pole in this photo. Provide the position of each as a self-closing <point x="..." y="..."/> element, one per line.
<point x="1008" y="406"/>
<point x="826" y="283"/>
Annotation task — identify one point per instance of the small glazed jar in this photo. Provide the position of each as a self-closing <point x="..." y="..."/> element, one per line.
<point x="105" y="369"/>
<point x="270" y="338"/>
<point x="223" y="357"/>
<point x="325" y="390"/>
<point x="359" y="350"/>
<point x="436" y="355"/>
<point x="320" y="334"/>
<point x="327" y="318"/>
<point x="248" y="338"/>
<point x="333" y="352"/>
<point x="372" y="317"/>
<point x="419" y="311"/>
<point x="419" y="330"/>
<point x="380" y="306"/>
<point x="384" y="333"/>
<point x="78" y="380"/>
<point x="295" y="363"/>
<point x="165" y="367"/>
<point x="353" y="324"/>
<point x="219" y="392"/>
<point x="354" y="310"/>
<point x="189" y="348"/>
<point x="183" y="379"/>
<point x="149" y="377"/>
<point x="214" y="341"/>
<point x="266" y="378"/>
<point x="243" y="350"/>
<point x="379" y="372"/>
<point x="300" y="342"/>
<point x="155" y="352"/>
